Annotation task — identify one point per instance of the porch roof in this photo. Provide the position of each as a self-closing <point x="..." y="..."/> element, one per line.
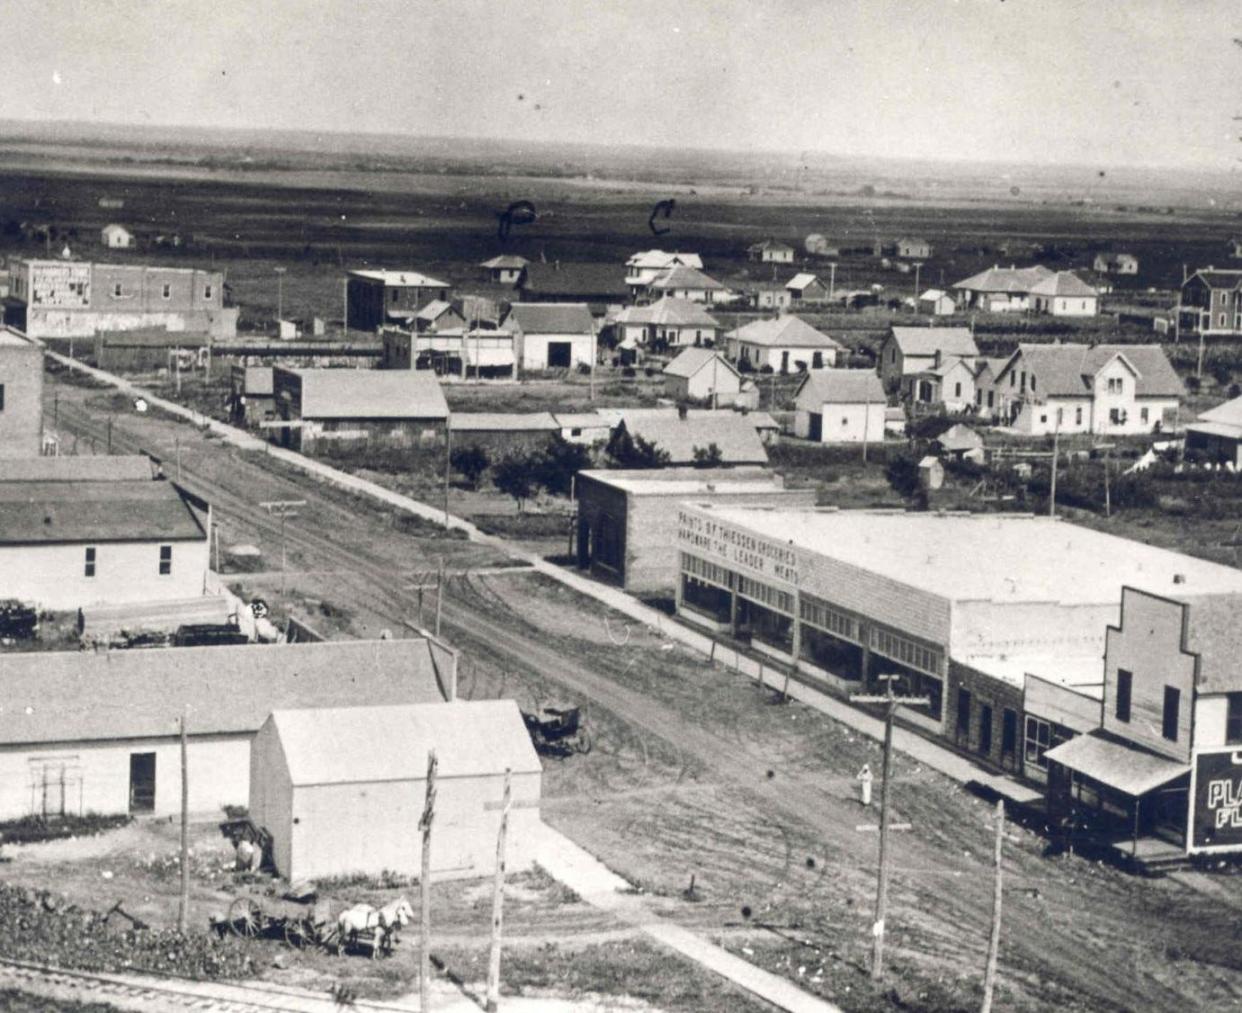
<point x="1133" y="772"/>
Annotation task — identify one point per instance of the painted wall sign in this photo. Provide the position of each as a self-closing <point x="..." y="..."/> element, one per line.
<point x="748" y="551"/>
<point x="1216" y="801"/>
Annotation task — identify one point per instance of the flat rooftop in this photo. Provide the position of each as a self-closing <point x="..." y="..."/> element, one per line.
<point x="989" y="557"/>
<point x="689" y="481"/>
<point x="1084" y="674"/>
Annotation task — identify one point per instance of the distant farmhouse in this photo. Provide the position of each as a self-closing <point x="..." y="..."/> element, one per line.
<point x="116" y="237"/>
<point x="1102" y="389"/>
<point x="1115" y="263"/>
<point x="377" y="298"/>
<point x="1211" y="302"/>
<point x="702" y="374"/>
<point x="913" y="249"/>
<point x="63" y="299"/>
<point x="771" y="251"/>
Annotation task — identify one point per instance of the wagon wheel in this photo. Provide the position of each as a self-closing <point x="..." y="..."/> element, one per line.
<point x="295" y="932"/>
<point x="245" y="917"/>
<point x="583" y="744"/>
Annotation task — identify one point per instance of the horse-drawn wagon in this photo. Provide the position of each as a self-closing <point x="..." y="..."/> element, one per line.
<point x="299" y="922"/>
<point x="558" y="731"/>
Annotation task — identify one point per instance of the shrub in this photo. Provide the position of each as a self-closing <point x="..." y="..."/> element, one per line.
<point x="557" y="462"/>
<point x="471" y="462"/>
<point x="515" y="476"/>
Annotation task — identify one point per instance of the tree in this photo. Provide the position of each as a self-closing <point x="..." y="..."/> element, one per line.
<point x="556" y="464"/>
<point x="626" y="451"/>
<point x="902" y="472"/>
<point x="708" y="457"/>
<point x="515" y="476"/>
<point x="470" y="462"/>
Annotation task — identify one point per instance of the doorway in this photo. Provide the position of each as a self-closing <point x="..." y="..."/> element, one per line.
<point x="559" y="353"/>
<point x="1009" y="739"/>
<point x="815" y="429"/>
<point x="141" y="782"/>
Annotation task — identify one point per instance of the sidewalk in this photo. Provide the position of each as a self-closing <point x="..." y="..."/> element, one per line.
<point x="600" y="887"/>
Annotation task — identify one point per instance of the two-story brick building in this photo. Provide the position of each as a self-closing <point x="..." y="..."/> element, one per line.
<point x="376" y="298"/>
<point x="71" y="299"/>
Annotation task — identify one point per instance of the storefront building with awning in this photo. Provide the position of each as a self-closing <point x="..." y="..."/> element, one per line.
<point x="1160" y="779"/>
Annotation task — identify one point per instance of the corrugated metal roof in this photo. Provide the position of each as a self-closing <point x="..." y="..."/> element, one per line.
<point x="1132" y="771"/>
<point x="930" y="340"/>
<point x="506" y="422"/>
<point x="471" y="738"/>
<point x="690" y="360"/>
<point x="840" y="386"/>
<point x="79" y="696"/>
<point x="736" y="437"/>
<point x="550" y="318"/>
<point x="784" y="331"/>
<point x="93" y="468"/>
<point x="371" y="394"/>
<point x="47" y="513"/>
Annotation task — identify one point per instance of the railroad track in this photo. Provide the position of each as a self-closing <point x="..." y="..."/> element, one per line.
<point x="148" y="992"/>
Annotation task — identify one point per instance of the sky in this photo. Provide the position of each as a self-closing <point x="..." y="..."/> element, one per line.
<point x="1120" y="82"/>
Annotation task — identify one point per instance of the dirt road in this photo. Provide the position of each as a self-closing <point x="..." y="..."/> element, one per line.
<point x="697" y="774"/>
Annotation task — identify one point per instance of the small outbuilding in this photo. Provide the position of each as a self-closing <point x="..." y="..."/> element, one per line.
<point x="963" y="443"/>
<point x="341" y="789"/>
<point x="116" y="237"/>
<point x="552" y="335"/>
<point x="840" y="406"/>
<point x="506" y="269"/>
<point x="931" y="473"/>
<point x="771" y="251"/>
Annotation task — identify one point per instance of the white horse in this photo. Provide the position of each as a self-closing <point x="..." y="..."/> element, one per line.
<point x="383" y="924"/>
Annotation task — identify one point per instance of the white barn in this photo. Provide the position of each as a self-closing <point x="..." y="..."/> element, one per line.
<point x="85" y="731"/>
<point x="552" y="335"/>
<point x="341" y="790"/>
<point x="840" y="406"/>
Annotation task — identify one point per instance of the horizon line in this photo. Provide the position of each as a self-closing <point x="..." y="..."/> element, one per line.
<point x="794" y="153"/>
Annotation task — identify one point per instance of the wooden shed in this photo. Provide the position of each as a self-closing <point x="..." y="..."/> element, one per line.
<point x="341" y="790"/>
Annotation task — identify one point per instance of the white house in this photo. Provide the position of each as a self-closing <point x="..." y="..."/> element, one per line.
<point x="686" y="282"/>
<point x="1105" y="389"/>
<point x="643" y="268"/>
<point x="552" y="335"/>
<point x="840" y="406"/>
<point x="1064" y="294"/>
<point x="702" y="373"/>
<point x="987" y="369"/>
<point x="341" y="789"/>
<point x="116" y="237"/>
<point x="87" y="731"/>
<point x="666" y="323"/>
<point x="1115" y="263"/>
<point x="66" y="544"/>
<point x="806" y="288"/>
<point x="1000" y="289"/>
<point x="784" y="343"/>
<point x="771" y="251"/>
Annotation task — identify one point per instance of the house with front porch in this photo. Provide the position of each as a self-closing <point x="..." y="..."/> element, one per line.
<point x="1102" y="389"/>
<point x="950" y="382"/>
<point x="666" y="323"/>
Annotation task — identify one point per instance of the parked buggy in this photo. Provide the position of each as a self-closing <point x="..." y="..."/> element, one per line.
<point x="558" y="731"/>
<point x="302" y="923"/>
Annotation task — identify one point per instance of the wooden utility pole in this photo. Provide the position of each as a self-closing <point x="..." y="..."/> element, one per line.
<point x="424" y="887"/>
<point x="448" y="462"/>
<point x="890" y="703"/>
<point x="345" y="311"/>
<point x="439" y="593"/>
<point x="498" y="899"/>
<point x="183" y="907"/>
<point x="282" y="508"/>
<point x="1108" y="492"/>
<point x="989" y="977"/>
<point x="1056" y="458"/>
